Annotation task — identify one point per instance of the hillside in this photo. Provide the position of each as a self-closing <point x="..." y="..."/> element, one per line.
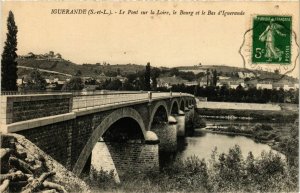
<point x="68" y="67"/>
<point x="94" y="70"/>
<point x="230" y="70"/>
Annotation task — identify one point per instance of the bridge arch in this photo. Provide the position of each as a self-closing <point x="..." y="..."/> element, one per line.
<point x="108" y="121"/>
<point x="174" y="109"/>
<point x="159" y="113"/>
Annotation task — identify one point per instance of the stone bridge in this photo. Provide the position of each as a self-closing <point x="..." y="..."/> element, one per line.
<point x="120" y="131"/>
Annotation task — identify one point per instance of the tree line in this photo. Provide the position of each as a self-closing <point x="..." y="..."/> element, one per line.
<point x="251" y="95"/>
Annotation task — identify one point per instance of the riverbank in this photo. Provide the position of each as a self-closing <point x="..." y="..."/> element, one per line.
<point x="223" y="172"/>
<point x="285" y="115"/>
<point x="230" y="133"/>
<point x="282" y="138"/>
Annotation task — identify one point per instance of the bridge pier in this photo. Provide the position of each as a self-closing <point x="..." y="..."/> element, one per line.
<point x="180" y="118"/>
<point x="192" y="114"/>
<point x="187" y="117"/>
<point x="167" y="134"/>
<point x="134" y="156"/>
<point x="102" y="161"/>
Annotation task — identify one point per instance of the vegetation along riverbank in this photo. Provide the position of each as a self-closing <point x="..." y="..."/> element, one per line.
<point x="225" y="172"/>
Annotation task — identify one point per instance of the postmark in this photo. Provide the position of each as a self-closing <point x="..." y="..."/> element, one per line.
<point x="270" y="44"/>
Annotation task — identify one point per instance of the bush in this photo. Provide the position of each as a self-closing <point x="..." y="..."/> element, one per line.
<point x="102" y="179"/>
<point x="266" y="127"/>
<point x="262" y="127"/>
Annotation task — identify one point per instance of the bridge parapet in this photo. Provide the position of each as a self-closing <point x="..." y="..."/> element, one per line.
<point x="16" y="108"/>
<point x="21" y="111"/>
<point x="91" y="101"/>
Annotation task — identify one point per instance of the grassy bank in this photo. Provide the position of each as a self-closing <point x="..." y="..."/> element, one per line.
<point x="275" y="116"/>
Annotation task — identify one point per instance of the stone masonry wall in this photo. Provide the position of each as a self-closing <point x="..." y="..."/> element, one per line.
<point x="167" y="135"/>
<point x="55" y="140"/>
<point x="25" y="110"/>
<point x="17" y="108"/>
<point x="134" y="157"/>
<point x="64" y="140"/>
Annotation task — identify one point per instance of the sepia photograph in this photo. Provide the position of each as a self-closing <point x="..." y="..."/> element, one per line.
<point x="149" y="96"/>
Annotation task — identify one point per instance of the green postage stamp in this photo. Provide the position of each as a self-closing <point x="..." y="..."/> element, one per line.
<point x="271" y="39"/>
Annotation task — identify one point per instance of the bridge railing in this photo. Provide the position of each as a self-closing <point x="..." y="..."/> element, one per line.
<point x="91" y="101"/>
<point x="74" y="92"/>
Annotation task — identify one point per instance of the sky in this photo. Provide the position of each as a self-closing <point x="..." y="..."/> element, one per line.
<point x="162" y="40"/>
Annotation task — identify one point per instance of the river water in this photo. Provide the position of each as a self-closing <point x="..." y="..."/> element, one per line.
<point x="201" y="144"/>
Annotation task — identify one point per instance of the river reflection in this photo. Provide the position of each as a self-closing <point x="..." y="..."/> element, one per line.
<point x="201" y="144"/>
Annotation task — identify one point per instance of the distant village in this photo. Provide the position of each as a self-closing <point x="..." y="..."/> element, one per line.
<point x="51" y="56"/>
<point x="246" y="80"/>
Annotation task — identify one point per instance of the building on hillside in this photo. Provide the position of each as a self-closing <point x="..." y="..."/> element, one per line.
<point x="206" y="81"/>
<point x="195" y="71"/>
<point x="223" y="77"/>
<point x="51" y="56"/>
<point x="234" y="85"/>
<point x="121" y="78"/>
<point x="246" y="75"/>
<point x="264" y="85"/>
<point x="89" y="88"/>
<point x="232" y="82"/>
<point x="203" y="82"/>
<point x="278" y="85"/>
<point x="102" y="78"/>
<point x="285" y="85"/>
<point x="167" y="82"/>
<point x="61" y="82"/>
<point x="48" y="81"/>
<point x="29" y="55"/>
<point x="20" y="81"/>
<point x="251" y="83"/>
<point x="191" y="83"/>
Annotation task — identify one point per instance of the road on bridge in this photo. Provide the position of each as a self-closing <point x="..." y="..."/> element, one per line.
<point x="91" y="101"/>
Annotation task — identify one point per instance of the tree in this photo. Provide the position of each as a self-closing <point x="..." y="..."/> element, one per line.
<point x="78" y="73"/>
<point x="215" y="77"/>
<point x="8" y="61"/>
<point x="154" y="75"/>
<point x="75" y="83"/>
<point x="174" y="72"/>
<point x="114" y="85"/>
<point x="35" y="81"/>
<point x="147" y="77"/>
<point x="207" y="77"/>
